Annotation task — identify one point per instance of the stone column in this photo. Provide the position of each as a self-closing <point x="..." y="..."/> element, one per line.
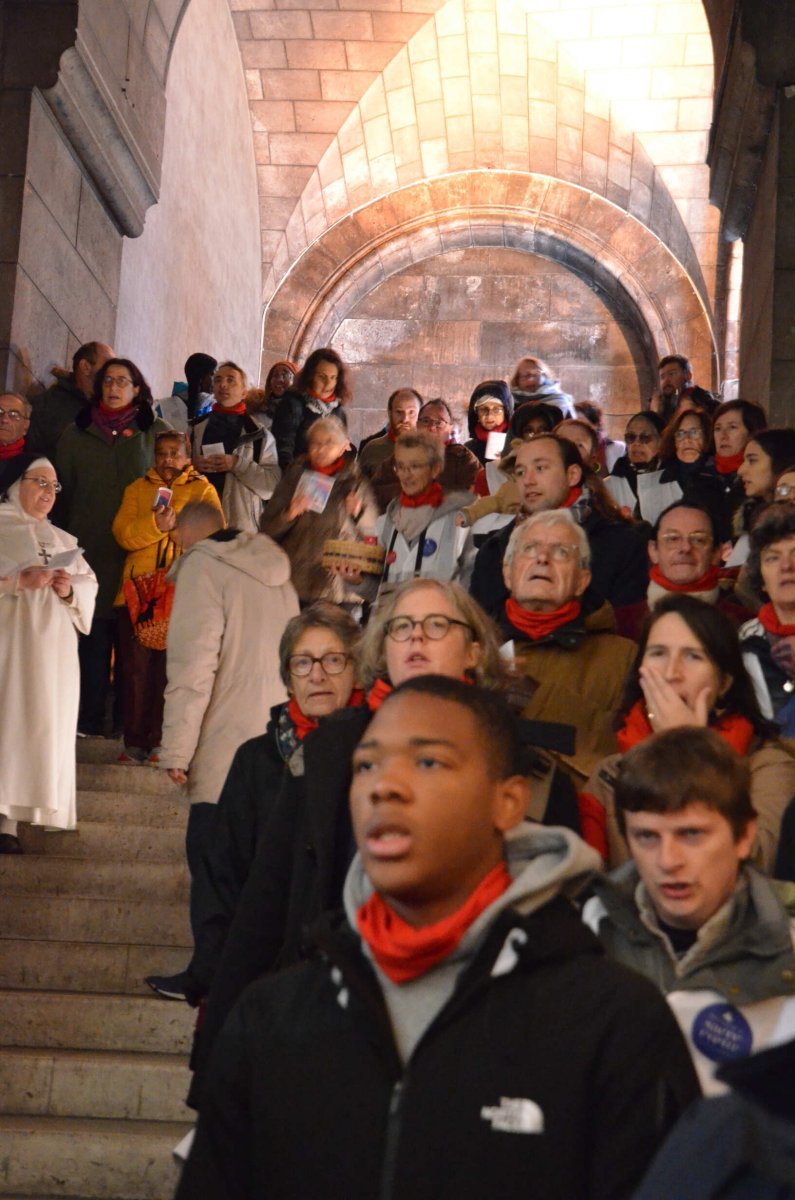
<point x="33" y="35"/>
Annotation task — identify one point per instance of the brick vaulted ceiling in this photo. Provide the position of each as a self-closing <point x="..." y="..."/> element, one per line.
<point x="351" y="99"/>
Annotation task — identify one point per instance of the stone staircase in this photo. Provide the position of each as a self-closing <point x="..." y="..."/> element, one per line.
<point x="93" y="1066"/>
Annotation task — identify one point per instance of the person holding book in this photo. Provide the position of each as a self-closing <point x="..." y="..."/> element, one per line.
<point x="47" y="595"/>
<point x="322" y="497"/>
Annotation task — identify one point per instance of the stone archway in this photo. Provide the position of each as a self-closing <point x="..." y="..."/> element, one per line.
<point x="615" y="254"/>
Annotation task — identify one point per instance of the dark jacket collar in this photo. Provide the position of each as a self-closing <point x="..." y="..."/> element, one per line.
<point x="144" y="419"/>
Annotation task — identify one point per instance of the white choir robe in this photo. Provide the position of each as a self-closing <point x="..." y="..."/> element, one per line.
<point x="41" y="676"/>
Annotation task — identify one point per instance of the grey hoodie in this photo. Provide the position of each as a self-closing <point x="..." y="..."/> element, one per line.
<point x="543" y="862"/>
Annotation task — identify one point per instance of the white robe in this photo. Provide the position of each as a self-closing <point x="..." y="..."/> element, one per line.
<point x="41" y="677"/>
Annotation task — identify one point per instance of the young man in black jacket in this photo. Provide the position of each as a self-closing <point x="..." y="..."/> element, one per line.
<point x="462" y="1035"/>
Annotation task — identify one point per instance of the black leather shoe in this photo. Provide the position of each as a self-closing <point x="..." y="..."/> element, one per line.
<point x="10" y="844"/>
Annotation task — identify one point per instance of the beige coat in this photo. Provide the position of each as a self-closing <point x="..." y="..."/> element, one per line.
<point x="772" y="787"/>
<point x="233" y="599"/>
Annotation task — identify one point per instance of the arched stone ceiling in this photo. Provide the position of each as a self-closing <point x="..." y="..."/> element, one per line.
<point x="595" y="238"/>
<point x="350" y="103"/>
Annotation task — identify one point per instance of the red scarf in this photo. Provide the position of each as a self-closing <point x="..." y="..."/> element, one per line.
<point x="767" y="615"/>
<point x="323" y="400"/>
<point x="482" y="434"/>
<point x="706" y="583"/>
<point x="727" y="464"/>
<point x="390" y="433"/>
<point x="735" y="730"/>
<point x="404" y="953"/>
<point x="332" y="469"/>
<point x="378" y="694"/>
<point x="433" y="495"/>
<point x="304" y="724"/>
<point x="237" y="410"/>
<point x="573" y="496"/>
<point x="12" y="449"/>
<point x="539" y="625"/>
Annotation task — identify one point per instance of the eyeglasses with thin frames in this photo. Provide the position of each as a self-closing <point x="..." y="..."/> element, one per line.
<point x="333" y="663"/>
<point x="434" y="626"/>
<point x="46" y="485"/>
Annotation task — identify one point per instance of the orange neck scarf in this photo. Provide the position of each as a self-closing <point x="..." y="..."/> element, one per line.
<point x="404" y="953"/>
<point x="378" y="694"/>
<point x="735" y="730"/>
<point x="537" y="625"/>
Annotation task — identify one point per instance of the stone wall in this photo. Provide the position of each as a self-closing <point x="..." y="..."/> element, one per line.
<point x="192" y="280"/>
<point x="468" y="315"/>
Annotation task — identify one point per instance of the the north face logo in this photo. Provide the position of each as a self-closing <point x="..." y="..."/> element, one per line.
<point x="514" y="1115"/>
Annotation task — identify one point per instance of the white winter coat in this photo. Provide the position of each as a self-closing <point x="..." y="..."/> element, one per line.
<point x="232" y="601"/>
<point x="252" y="480"/>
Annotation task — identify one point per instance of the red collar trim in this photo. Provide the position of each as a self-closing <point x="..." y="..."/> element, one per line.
<point x="735" y="730"/>
<point x="767" y="615"/>
<point x="433" y="495"/>
<point x="237" y="410"/>
<point x="727" y="464"/>
<point x="482" y="434"/>
<point x="573" y="496"/>
<point x="13" y="449"/>
<point x="332" y="468"/>
<point x="706" y="583"/>
<point x="537" y="625"/>
<point x="404" y="953"/>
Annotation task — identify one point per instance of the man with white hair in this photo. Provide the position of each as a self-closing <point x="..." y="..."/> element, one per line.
<point x="563" y="644"/>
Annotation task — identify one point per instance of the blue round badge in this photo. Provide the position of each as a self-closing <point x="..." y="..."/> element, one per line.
<point x="722" y="1033"/>
<point x="429" y="548"/>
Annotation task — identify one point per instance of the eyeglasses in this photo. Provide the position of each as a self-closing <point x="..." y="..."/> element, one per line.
<point x="643" y="438"/>
<point x="699" y="541"/>
<point x="784" y="491"/>
<point x="13" y="414"/>
<point x="427" y="423"/>
<point x="332" y="663"/>
<point x="435" y="627"/>
<point x="117" y="380"/>
<point x="689" y="435"/>
<point x="46" y="485"/>
<point x="490" y="410"/>
<point x="410" y="468"/>
<point x="556" y="551"/>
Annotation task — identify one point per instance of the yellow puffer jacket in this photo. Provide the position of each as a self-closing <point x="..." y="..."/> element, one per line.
<point x="134" y="525"/>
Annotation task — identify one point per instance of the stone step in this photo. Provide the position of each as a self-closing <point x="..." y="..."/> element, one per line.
<point x="133" y="781"/>
<point x="79" y="1157"/>
<point x="58" y="918"/>
<point x="86" y="967"/>
<point x="111" y="1085"/>
<point x="98" y="750"/>
<point x="155" y="809"/>
<point x="66" y="1021"/>
<point x="43" y="875"/>
<point x="104" y="840"/>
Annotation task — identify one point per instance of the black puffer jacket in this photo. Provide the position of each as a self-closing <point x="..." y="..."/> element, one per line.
<point x="308" y="1099"/>
<point x="292" y="420"/>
